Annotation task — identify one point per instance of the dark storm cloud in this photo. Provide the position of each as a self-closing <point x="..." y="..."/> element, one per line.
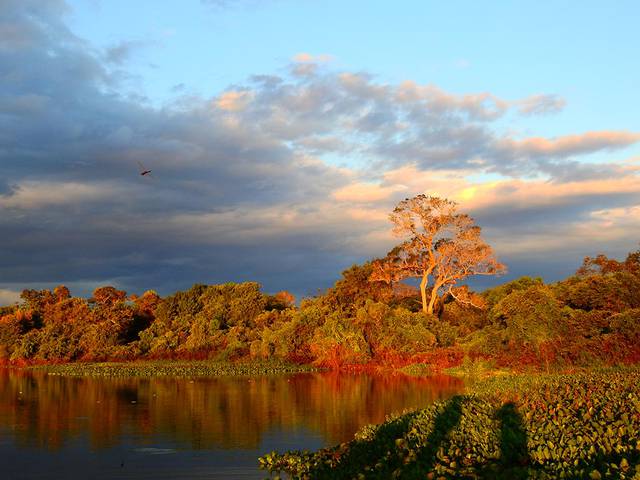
<point x="239" y="189"/>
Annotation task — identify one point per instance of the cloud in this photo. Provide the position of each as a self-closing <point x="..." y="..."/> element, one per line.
<point x="284" y="179"/>
<point x="33" y="194"/>
<point x="569" y="145"/>
<point x="362" y="192"/>
<point x="121" y="52"/>
<point x="304" y="57"/>
<point x="233" y="100"/>
<point x="541" y="104"/>
<point x="8" y="297"/>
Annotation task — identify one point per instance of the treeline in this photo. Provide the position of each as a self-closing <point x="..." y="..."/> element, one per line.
<point x="591" y="317"/>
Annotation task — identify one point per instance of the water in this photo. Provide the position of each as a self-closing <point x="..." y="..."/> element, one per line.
<point x="83" y="427"/>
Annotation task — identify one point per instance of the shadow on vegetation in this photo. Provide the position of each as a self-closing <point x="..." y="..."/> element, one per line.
<point x="514" y="454"/>
<point x="579" y="426"/>
<point x="444" y="423"/>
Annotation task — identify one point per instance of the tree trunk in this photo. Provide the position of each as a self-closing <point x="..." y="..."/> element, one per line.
<point x="423" y="292"/>
<point x="434" y="298"/>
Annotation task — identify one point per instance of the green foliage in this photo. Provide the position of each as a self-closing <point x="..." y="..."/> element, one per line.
<point x="57" y="327"/>
<point x="173" y="369"/>
<point x="395" y="330"/>
<point x="591" y="318"/>
<point x="12" y="327"/>
<point x="529" y="315"/>
<point x="613" y="292"/>
<point x="354" y="289"/>
<point x="626" y="323"/>
<point x="494" y="295"/>
<point x="466" y="318"/>
<point x="565" y="426"/>
<point x="195" y="320"/>
<point x="526" y="322"/>
<point x="338" y="342"/>
<point x="27" y="346"/>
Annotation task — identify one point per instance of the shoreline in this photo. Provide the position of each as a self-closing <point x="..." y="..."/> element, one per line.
<point x="170" y="368"/>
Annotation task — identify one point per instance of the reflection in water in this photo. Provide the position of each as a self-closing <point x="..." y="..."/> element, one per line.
<point x="157" y="416"/>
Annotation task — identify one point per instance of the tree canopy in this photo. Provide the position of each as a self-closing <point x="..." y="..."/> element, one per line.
<point x="441" y="247"/>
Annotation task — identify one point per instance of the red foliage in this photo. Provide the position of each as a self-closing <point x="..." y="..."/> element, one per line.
<point x="441" y="358"/>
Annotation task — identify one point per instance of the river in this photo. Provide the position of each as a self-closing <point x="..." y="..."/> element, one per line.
<point x="175" y="427"/>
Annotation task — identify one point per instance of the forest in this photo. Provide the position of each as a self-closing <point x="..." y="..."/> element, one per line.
<point x="592" y="317"/>
<point x="370" y="317"/>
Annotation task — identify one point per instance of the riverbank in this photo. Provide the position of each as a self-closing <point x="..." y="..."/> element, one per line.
<point x="582" y="425"/>
<point x="176" y="368"/>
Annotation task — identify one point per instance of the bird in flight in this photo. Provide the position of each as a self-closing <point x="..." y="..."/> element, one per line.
<point x="143" y="170"/>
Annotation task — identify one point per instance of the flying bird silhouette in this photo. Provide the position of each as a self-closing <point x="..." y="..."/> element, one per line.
<point x="143" y="170"/>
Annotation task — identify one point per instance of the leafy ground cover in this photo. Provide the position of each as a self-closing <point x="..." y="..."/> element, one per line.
<point x="584" y="425"/>
<point x="172" y="368"/>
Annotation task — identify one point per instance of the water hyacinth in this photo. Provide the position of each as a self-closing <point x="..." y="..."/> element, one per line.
<point x="173" y="369"/>
<point x="555" y="426"/>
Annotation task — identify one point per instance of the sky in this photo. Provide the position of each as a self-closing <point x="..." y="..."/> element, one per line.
<point x="281" y="134"/>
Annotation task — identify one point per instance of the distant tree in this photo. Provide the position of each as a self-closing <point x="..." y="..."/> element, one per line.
<point x="108" y="296"/>
<point x="147" y="303"/>
<point x="280" y="301"/>
<point x="601" y="265"/>
<point x="36" y="300"/>
<point x="287" y="298"/>
<point x="440" y="244"/>
<point x="61" y="293"/>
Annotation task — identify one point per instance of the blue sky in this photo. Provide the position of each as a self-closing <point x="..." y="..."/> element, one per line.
<point x="281" y="133"/>
<point x="583" y="51"/>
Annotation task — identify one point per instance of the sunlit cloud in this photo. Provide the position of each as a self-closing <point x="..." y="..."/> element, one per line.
<point x="272" y="173"/>
<point x="233" y="101"/>
<point x="304" y="57"/>
<point x="567" y="145"/>
<point x="45" y="194"/>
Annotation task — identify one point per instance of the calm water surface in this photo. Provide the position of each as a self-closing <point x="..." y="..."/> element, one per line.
<point x="80" y="427"/>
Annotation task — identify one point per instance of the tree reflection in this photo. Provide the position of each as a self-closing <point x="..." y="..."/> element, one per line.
<point x="45" y="411"/>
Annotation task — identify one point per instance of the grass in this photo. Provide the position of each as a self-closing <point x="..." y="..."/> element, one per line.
<point x="579" y="426"/>
<point x="173" y="368"/>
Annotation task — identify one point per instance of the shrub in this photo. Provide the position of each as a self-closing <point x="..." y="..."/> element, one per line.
<point x="395" y="330"/>
<point x="338" y="341"/>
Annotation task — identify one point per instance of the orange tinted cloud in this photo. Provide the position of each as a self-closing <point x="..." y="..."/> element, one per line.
<point x="304" y="57"/>
<point x="571" y="144"/>
<point x="233" y="101"/>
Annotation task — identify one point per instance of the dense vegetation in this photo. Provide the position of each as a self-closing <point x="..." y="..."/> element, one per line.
<point x="590" y="318"/>
<point x="558" y="426"/>
<point x="177" y="368"/>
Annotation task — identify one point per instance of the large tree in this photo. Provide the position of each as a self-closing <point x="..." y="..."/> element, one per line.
<point x="441" y="247"/>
